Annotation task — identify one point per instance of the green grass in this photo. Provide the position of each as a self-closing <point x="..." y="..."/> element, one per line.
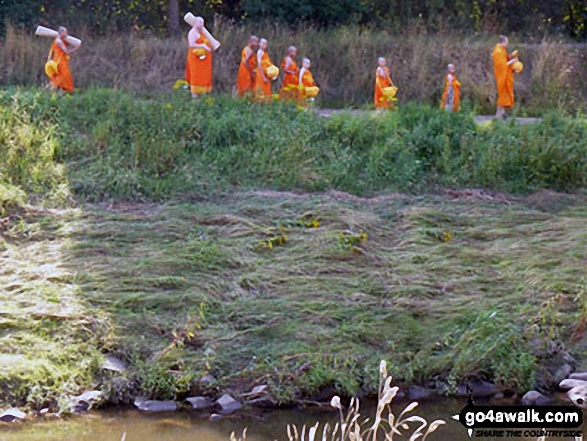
<point x="160" y="260"/>
<point x="182" y="290"/>
<point x="122" y="146"/>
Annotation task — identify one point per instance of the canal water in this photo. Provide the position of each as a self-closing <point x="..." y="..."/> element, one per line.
<point x="192" y="426"/>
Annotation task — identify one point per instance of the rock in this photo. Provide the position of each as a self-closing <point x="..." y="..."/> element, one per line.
<point x="215" y="417"/>
<point x="535" y="398"/>
<point x="85" y="401"/>
<point x="579" y="376"/>
<point x="113" y="364"/>
<point x="565" y="371"/>
<point x="155" y="405"/>
<point x="265" y="402"/>
<point x="200" y="402"/>
<point x="478" y="389"/>
<point x="228" y="404"/>
<point x="418" y="393"/>
<point x="207" y="380"/>
<point x="11" y="415"/>
<point x="258" y="390"/>
<point x="569" y="384"/>
<point x="43" y="411"/>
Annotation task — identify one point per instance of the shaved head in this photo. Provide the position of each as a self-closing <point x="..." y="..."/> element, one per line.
<point x="199" y="23"/>
<point x="503" y="40"/>
<point x="254" y="39"/>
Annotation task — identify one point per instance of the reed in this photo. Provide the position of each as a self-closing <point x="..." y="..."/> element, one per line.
<point x="352" y="427"/>
<point x="344" y="60"/>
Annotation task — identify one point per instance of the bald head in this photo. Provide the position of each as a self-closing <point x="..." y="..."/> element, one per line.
<point x="263" y="43"/>
<point x="306" y="63"/>
<point x="291" y="51"/>
<point x="199" y="23"/>
<point x="451" y="68"/>
<point x="62" y="31"/>
<point x="254" y="39"/>
<point x="503" y="40"/>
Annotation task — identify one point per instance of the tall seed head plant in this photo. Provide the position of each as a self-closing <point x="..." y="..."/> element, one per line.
<point x="351" y="427"/>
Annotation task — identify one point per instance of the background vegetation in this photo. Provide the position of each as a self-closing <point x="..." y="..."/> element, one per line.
<point x="343" y="65"/>
<point x="568" y="17"/>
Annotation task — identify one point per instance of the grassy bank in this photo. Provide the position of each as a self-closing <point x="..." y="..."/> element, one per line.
<point x="123" y="146"/>
<point x="140" y="228"/>
<point x="344" y="61"/>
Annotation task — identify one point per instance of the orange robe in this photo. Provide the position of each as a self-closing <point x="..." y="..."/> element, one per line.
<point x="289" y="87"/>
<point x="245" y="82"/>
<point x="504" y="77"/>
<point x="456" y="97"/>
<point x="198" y="72"/>
<point x="262" y="88"/>
<point x="63" y="79"/>
<point x="307" y="80"/>
<point x="381" y="101"/>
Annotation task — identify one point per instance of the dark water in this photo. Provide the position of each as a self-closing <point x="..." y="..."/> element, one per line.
<point x="191" y="426"/>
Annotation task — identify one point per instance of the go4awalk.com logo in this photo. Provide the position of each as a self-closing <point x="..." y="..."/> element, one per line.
<point x="521" y="421"/>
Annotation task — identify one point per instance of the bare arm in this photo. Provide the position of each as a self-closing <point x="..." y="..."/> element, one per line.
<point x="288" y="64"/>
<point x="260" y="54"/>
<point x="249" y="56"/>
<point x="67" y="49"/>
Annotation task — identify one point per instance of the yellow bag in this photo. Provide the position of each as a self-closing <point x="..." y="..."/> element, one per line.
<point x="389" y="92"/>
<point x="517" y="67"/>
<point x="272" y="71"/>
<point x="51" y="68"/>
<point x="199" y="52"/>
<point x="312" y="91"/>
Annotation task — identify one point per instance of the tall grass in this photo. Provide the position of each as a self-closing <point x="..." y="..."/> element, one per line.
<point x="343" y="64"/>
<point x="116" y="146"/>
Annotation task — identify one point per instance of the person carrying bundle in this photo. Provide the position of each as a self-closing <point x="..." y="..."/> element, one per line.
<point x="451" y="97"/>
<point x="383" y="98"/>
<point x="199" y="63"/>
<point x="289" y="88"/>
<point x="245" y="82"/>
<point x="262" y="80"/>
<point x="61" y="50"/>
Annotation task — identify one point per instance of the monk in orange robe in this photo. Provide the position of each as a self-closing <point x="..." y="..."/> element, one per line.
<point x="262" y="82"/>
<point x="60" y="52"/>
<point x="305" y="79"/>
<point x="382" y="80"/>
<point x="504" y="76"/>
<point x="198" y="72"/>
<point x="451" y="97"/>
<point x="289" y="88"/>
<point x="245" y="82"/>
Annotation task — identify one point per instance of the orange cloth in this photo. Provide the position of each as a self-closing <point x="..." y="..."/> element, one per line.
<point x="63" y="79"/>
<point x="262" y="88"/>
<point x="289" y="87"/>
<point x="504" y="77"/>
<point x="198" y="72"/>
<point x="307" y="80"/>
<point x="245" y="82"/>
<point x="456" y="86"/>
<point x="382" y="81"/>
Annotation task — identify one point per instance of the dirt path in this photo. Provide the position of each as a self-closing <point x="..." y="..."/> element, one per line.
<point x="481" y="119"/>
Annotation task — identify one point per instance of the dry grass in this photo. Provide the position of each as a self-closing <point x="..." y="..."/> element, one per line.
<point x="344" y="60"/>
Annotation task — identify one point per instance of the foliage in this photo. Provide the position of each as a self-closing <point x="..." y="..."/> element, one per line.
<point x="568" y="16"/>
<point x="118" y="146"/>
